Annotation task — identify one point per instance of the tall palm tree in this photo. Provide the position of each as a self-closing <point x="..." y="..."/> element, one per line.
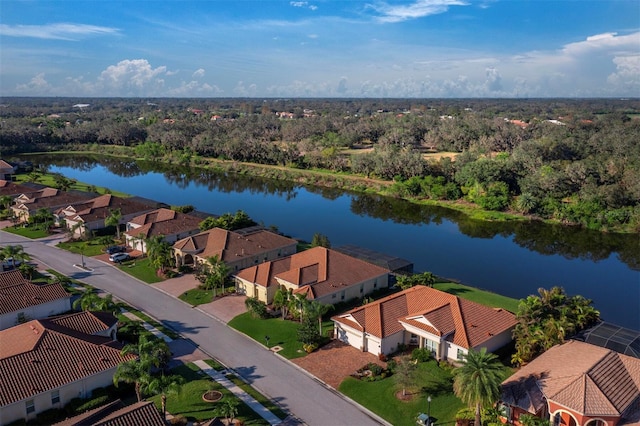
<point x="159" y="252"/>
<point x="114" y="220"/>
<point x="477" y="380"/>
<point x="14" y="253"/>
<point x="282" y="299"/>
<point x="151" y="351"/>
<point x="228" y="409"/>
<point x="299" y="303"/>
<point x="164" y="385"/>
<point x="92" y="301"/>
<point x="218" y="271"/>
<point x="317" y="310"/>
<point x="134" y="372"/>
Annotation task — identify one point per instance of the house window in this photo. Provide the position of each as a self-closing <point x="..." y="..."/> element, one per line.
<point x="557" y="419"/>
<point x="596" y="422"/>
<point x="361" y="288"/>
<point x="55" y="396"/>
<point x="30" y="405"/>
<point x="375" y="284"/>
<point x="460" y="354"/>
<point x="431" y="345"/>
<point x="342" y="295"/>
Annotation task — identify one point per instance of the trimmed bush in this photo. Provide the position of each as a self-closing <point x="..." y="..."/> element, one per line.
<point x="421" y="354"/>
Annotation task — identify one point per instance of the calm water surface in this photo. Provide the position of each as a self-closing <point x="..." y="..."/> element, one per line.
<point x="510" y="259"/>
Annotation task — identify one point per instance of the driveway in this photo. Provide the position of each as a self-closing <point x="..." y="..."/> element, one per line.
<point x="334" y="362"/>
<point x="178" y="285"/>
<point x="226" y="308"/>
<point x="278" y="379"/>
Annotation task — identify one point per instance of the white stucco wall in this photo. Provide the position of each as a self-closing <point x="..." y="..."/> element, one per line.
<point x="43" y="310"/>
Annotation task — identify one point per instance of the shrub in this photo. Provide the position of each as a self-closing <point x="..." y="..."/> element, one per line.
<point x="382" y="357"/>
<point x="421" y="354"/>
<point x="391" y="366"/>
<point x="310" y="347"/>
<point x="375" y="369"/>
<point x="465" y="414"/>
<point x="257" y="308"/>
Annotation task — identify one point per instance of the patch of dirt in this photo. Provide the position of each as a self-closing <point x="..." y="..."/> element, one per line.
<point x="407" y="397"/>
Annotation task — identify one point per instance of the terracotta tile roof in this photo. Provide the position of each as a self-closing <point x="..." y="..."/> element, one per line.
<point x="163" y="222"/>
<point x="48" y="198"/>
<point x="467" y="323"/>
<point x="86" y="322"/>
<point x="35" y="357"/>
<point x="117" y="414"/>
<point x="5" y="165"/>
<point x="16" y="293"/>
<point x="325" y="271"/>
<point x="588" y="379"/>
<point x="99" y="208"/>
<point x="231" y="246"/>
<point x="12" y="188"/>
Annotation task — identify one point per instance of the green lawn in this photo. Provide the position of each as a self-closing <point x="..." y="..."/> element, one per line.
<point x="266" y="402"/>
<point x="188" y="402"/>
<point x="27" y="232"/>
<point x="48" y="180"/>
<point x="380" y="398"/>
<point x="87" y="248"/>
<point x="146" y="318"/>
<point x="141" y="269"/>
<point x="198" y="296"/>
<point x="480" y="296"/>
<point x="281" y="333"/>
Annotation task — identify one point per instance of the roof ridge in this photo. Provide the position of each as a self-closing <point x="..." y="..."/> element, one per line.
<point x="458" y="311"/>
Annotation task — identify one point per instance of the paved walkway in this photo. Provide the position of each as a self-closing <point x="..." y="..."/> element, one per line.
<point x="146" y="326"/>
<point x="239" y="393"/>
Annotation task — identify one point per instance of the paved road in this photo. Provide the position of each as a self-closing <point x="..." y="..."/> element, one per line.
<point x="297" y="392"/>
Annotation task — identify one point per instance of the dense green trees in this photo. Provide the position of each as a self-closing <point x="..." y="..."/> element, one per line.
<point x="546" y="320"/>
<point x="583" y="168"/>
<point x="228" y="221"/>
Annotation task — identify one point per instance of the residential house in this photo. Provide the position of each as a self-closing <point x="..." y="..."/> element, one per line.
<point x="23" y="300"/>
<point x="444" y="323"/>
<point x="116" y="413"/>
<point x="27" y="204"/>
<point x="237" y="249"/>
<point x="325" y="275"/>
<point x="172" y="225"/>
<point x="13" y="189"/>
<point x="575" y="384"/>
<point x="44" y="364"/>
<point x="90" y="215"/>
<point x="6" y="170"/>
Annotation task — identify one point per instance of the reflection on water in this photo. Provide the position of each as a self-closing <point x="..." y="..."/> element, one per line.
<point x="511" y="258"/>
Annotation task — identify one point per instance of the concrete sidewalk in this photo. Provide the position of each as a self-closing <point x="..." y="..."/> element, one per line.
<point x="245" y="397"/>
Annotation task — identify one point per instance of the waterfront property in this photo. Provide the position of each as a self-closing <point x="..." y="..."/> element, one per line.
<point x="171" y="225"/>
<point x="237" y="249"/>
<point x="575" y="384"/>
<point x="13" y="189"/>
<point x="321" y="274"/>
<point x="23" y="300"/>
<point x="51" y="199"/>
<point x="91" y="214"/>
<point x="46" y="363"/>
<point x="428" y="318"/>
<point x="6" y="170"/>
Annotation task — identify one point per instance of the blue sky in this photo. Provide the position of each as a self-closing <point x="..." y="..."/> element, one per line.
<point x="326" y="48"/>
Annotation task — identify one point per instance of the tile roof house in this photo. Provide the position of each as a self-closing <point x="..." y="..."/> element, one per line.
<point x="444" y="323"/>
<point x="91" y="214"/>
<point x="575" y="384"/>
<point x="172" y="225"/>
<point x="6" y="170"/>
<point x="51" y="199"/>
<point x="13" y="189"/>
<point x="324" y="275"/>
<point x="237" y="249"/>
<point x="116" y="413"/>
<point x="20" y="299"/>
<point x="46" y="363"/>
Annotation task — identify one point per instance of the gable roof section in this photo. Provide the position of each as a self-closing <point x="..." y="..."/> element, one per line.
<point x="99" y="208"/>
<point x="86" y="322"/>
<point x="11" y="188"/>
<point x="35" y="358"/>
<point x="230" y="246"/>
<point x="323" y="271"/>
<point x="163" y="222"/>
<point x="16" y="293"/>
<point x="48" y="198"/>
<point x="5" y="165"/>
<point x="117" y="414"/>
<point x="469" y="324"/>
<point x="590" y="380"/>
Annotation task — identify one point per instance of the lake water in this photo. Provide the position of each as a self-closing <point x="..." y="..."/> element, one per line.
<point x="513" y="259"/>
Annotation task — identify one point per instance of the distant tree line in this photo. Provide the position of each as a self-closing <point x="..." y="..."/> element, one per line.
<point x="575" y="161"/>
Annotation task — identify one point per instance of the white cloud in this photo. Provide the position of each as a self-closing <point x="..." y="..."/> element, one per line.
<point x="199" y="73"/>
<point x="298" y="3"/>
<point x="417" y="9"/>
<point x="61" y="31"/>
<point x="195" y="88"/>
<point x="627" y="75"/>
<point x="132" y="77"/>
<point x="245" y="91"/>
<point x="37" y="85"/>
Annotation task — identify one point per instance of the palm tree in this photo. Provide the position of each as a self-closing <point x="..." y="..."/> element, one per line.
<point x="299" y="303"/>
<point x="14" y="253"/>
<point x="228" y="409"/>
<point x="159" y="252"/>
<point x="114" y="220"/>
<point x="151" y="351"/>
<point x="318" y="310"/>
<point x="5" y="201"/>
<point x="282" y="299"/>
<point x="134" y="372"/>
<point x="218" y="271"/>
<point x="164" y="385"/>
<point x="477" y="381"/>
<point x="91" y="301"/>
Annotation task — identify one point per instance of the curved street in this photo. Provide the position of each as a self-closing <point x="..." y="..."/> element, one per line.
<point x="311" y="401"/>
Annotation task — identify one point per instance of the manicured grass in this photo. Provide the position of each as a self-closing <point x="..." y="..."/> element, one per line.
<point x="480" y="296"/>
<point x="188" y="402"/>
<point x="48" y="180"/>
<point x="141" y="269"/>
<point x="281" y="332"/>
<point x="87" y="248"/>
<point x="197" y="296"/>
<point x="27" y="232"/>
<point x="430" y="379"/>
<point x="146" y="318"/>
